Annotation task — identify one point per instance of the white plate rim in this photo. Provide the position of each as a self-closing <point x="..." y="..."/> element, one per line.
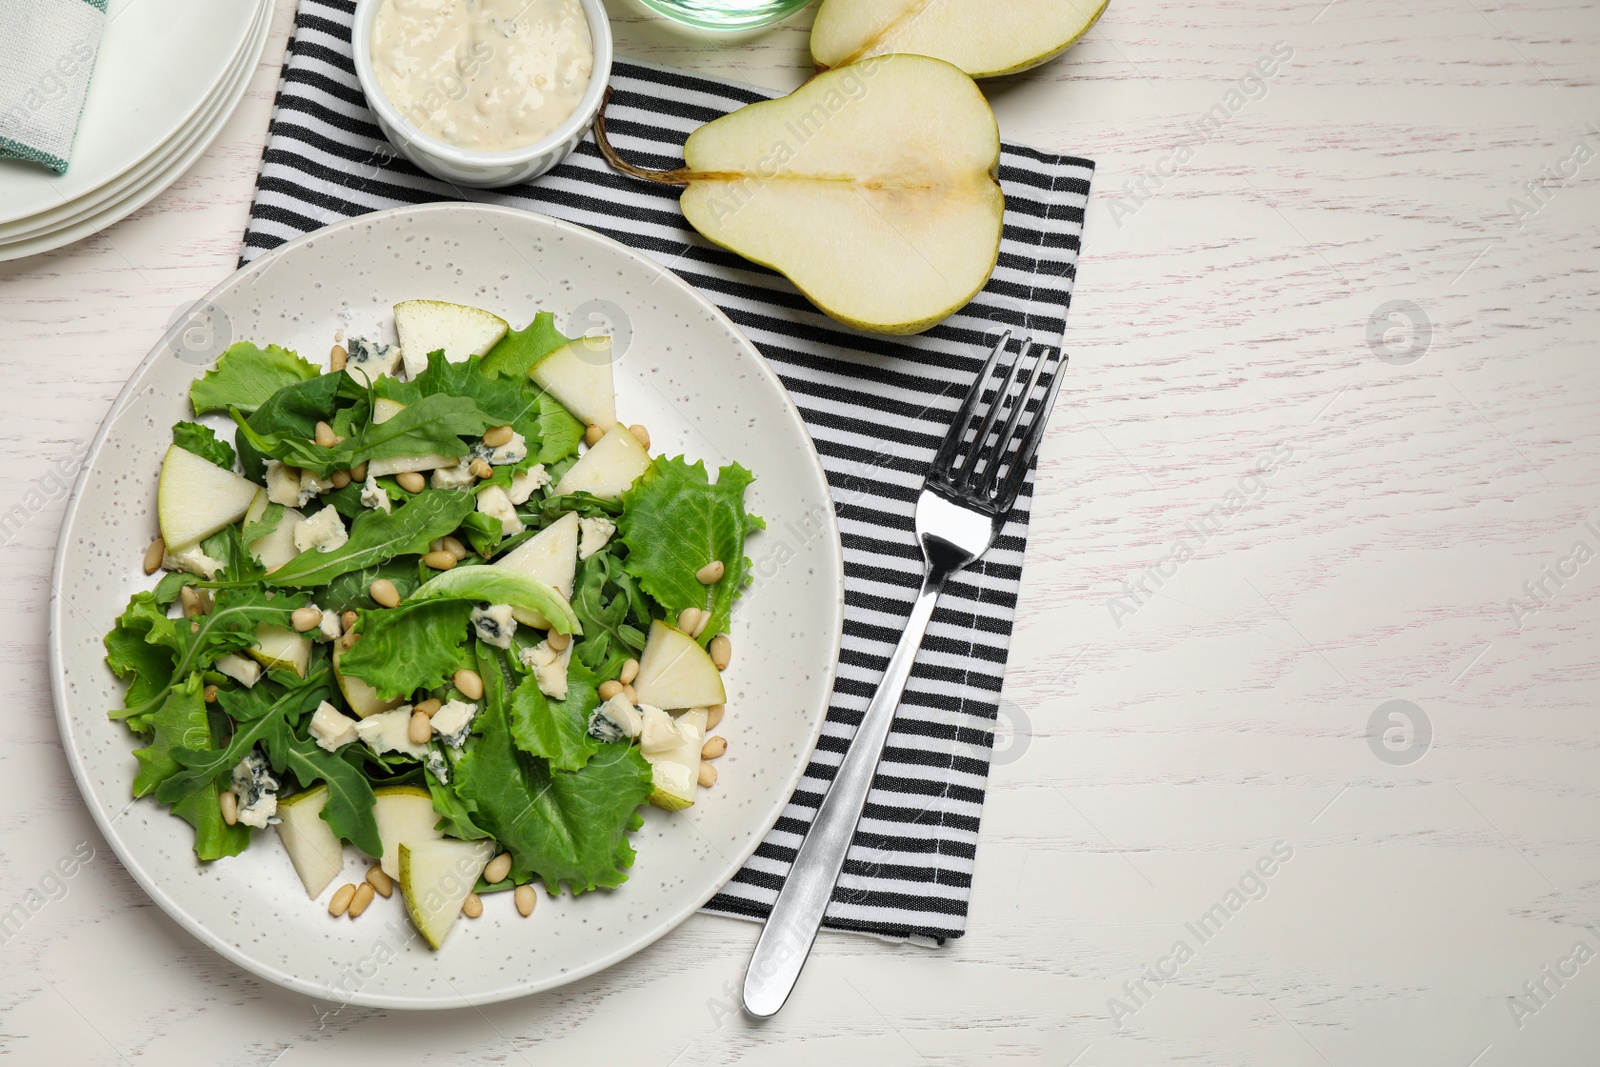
<point x="153" y="886"/>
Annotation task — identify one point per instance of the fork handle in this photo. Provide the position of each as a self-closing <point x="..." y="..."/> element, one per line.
<point x="797" y="915"/>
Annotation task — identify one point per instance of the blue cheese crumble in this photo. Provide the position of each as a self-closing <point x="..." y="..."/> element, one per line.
<point x="453" y="722"/>
<point x="494" y="624"/>
<point x="323" y="531"/>
<point x="256" y="789"/>
<point x="373" y="496"/>
<point x="593" y="534"/>
<point x="524" y="484"/>
<point x="437" y="766"/>
<point x="513" y="451"/>
<point x="368" y="359"/>
<point x="494" y="503"/>
<point x="459" y="476"/>
<point x="615" y="720"/>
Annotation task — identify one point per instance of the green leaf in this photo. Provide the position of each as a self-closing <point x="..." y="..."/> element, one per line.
<point x="499" y="586"/>
<point x="179" y="723"/>
<point x="203" y="442"/>
<point x="484" y="533"/>
<point x="141" y="649"/>
<point x="551" y="432"/>
<point x="559" y="431"/>
<point x="603" y="595"/>
<point x="674" y="522"/>
<point x="417" y="645"/>
<point x="376" y="538"/>
<point x="246" y="376"/>
<point x="433" y="425"/>
<point x="268" y="522"/>
<point x="455" y="818"/>
<point x="559" y="731"/>
<point x="292" y="411"/>
<point x="261" y="714"/>
<point x="563" y="826"/>
<point x="214" y="839"/>
<point x="349" y="808"/>
<point x="519" y="351"/>
<point x="349" y="591"/>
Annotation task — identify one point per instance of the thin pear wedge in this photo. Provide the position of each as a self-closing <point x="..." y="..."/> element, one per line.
<point x="872" y="188"/>
<point x="983" y="38"/>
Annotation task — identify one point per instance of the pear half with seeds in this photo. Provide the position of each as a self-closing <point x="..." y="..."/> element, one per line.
<point x="982" y="37"/>
<point x="871" y="188"/>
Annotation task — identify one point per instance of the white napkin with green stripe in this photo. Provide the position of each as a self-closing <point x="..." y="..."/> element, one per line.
<point x="47" y="53"/>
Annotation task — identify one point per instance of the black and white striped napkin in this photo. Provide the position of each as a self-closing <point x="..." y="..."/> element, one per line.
<point x="876" y="407"/>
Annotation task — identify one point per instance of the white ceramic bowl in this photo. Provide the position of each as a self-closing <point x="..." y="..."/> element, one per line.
<point x="484" y="170"/>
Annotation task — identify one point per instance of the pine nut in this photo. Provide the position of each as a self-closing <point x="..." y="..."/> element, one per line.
<point x="358" y="473"/>
<point x="436" y="545"/>
<point x="206" y="603"/>
<point x="191" y="601"/>
<point x="469" y="683"/>
<point x="721" y="651"/>
<point x="210" y="694"/>
<point x="362" y="898"/>
<point x="687" y="618"/>
<point x="526" y="898"/>
<point x="340" y="479"/>
<point x="325" y="435"/>
<point x="454" y="546"/>
<point x="384" y="592"/>
<point x="610" y="689"/>
<point x="627" y="691"/>
<point x="714" y="715"/>
<point x="347" y="620"/>
<point x="411" y="481"/>
<point x="641" y="435"/>
<point x="498" y="868"/>
<point x="708" y="775"/>
<point x="306" y="618"/>
<point x="429" y="707"/>
<point x="154" y="555"/>
<point x="472" y="907"/>
<point x="230" y="807"/>
<point x="380" y="881"/>
<point x="439" y="561"/>
<point x="420" y="729"/>
<point x="494" y="438"/>
<point x="557" y="641"/>
<point x="337" y="358"/>
<point x="194" y="627"/>
<point x="714" y="747"/>
<point x="480" y="468"/>
<point x="592" y="435"/>
<point x="630" y="671"/>
<point x="711" y="573"/>
<point x="701" y="623"/>
<point x="341" y="900"/>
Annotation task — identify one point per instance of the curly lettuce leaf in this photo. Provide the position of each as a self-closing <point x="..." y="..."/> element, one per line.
<point x="376" y="538"/>
<point x="417" y="645"/>
<point x="675" y="521"/>
<point x="551" y="432"/>
<point x="203" y="442"/>
<point x="181" y="723"/>
<point x="455" y="817"/>
<point x="495" y="585"/>
<point x="246" y="377"/>
<point x="558" y="730"/>
<point x="519" y="351"/>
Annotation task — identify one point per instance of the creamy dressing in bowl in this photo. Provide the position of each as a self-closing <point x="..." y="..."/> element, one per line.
<point x="483" y="75"/>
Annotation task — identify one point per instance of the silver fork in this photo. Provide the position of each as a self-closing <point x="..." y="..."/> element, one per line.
<point x="963" y="503"/>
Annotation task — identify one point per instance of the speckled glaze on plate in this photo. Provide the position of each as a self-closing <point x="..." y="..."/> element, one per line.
<point x="701" y="388"/>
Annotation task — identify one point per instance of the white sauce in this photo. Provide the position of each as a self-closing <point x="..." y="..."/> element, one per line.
<point x="485" y="75"/>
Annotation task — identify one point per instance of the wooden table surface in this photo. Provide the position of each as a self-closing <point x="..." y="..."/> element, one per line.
<point x="1328" y="445"/>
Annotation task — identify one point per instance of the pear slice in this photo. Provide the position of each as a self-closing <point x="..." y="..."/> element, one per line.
<point x="871" y="188"/>
<point x="274" y="549"/>
<point x="405" y="816"/>
<point x="435" y="878"/>
<point x="362" y="698"/>
<point x="278" y="648"/>
<point x="313" y="847"/>
<point x="675" y="769"/>
<point x="195" y="498"/>
<point x="609" y="468"/>
<point x="551" y="556"/>
<point x="428" y="326"/>
<point x="579" y="375"/>
<point x="983" y="39"/>
<point x="675" y="672"/>
<point x="384" y="409"/>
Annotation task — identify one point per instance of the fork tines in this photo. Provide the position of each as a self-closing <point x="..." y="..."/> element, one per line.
<point x="969" y="464"/>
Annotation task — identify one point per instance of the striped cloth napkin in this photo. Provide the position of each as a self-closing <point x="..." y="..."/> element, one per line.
<point x="47" y="52"/>
<point x="876" y="407"/>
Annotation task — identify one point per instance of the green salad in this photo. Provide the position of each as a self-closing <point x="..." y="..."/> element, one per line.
<point x="404" y="610"/>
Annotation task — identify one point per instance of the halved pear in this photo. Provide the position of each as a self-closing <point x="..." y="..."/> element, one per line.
<point x="430" y="325"/>
<point x="195" y="498"/>
<point x="872" y="188"/>
<point x="405" y="816"/>
<point x="435" y="878"/>
<point x="984" y="39"/>
<point x="551" y="556"/>
<point x="362" y="698"/>
<point x="579" y="375"/>
<point x="313" y="847"/>
<point x="609" y="468"/>
<point x="675" y="672"/>
<point x="675" y="771"/>
<point x="274" y="549"/>
<point x="279" y="648"/>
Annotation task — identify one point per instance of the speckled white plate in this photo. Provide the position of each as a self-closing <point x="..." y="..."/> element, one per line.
<point x="701" y="388"/>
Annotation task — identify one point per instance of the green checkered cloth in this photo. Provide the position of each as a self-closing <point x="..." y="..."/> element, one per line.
<point x="47" y="53"/>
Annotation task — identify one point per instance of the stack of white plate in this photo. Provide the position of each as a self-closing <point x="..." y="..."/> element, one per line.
<point x="169" y="74"/>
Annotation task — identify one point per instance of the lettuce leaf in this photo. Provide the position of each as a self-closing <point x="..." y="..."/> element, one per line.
<point x="604" y="597"/>
<point x="433" y="425"/>
<point x="417" y="645"/>
<point x="495" y="585"/>
<point x="557" y="731"/>
<point x="246" y="377"/>
<point x="181" y="722"/>
<point x="519" y="351"/>
<point x="203" y="442"/>
<point x="675" y="521"/>
<point x="377" y="538"/>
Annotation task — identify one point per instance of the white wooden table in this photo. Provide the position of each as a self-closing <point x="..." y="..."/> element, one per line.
<point x="1162" y="739"/>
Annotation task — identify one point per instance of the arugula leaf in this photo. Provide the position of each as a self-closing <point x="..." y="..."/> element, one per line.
<point x="376" y="538"/>
<point x="434" y="424"/>
<point x="349" y="808"/>
<point x="203" y="442"/>
<point x="180" y="722"/>
<point x="239" y="567"/>
<point x="214" y="839"/>
<point x="559" y="731"/>
<point x="563" y="826"/>
<point x="551" y="432"/>
<point x="484" y="533"/>
<point x="455" y="818"/>
<point x="602" y="606"/>
<point x="349" y="591"/>
<point x="559" y="431"/>
<point x="674" y="522"/>
<point x="293" y="411"/>
<point x="268" y="522"/>
<point x="246" y="377"/>
<point x="417" y="645"/>
<point x="519" y="351"/>
<point x="499" y="586"/>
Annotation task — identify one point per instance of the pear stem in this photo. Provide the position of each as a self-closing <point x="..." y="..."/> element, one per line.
<point x="681" y="176"/>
